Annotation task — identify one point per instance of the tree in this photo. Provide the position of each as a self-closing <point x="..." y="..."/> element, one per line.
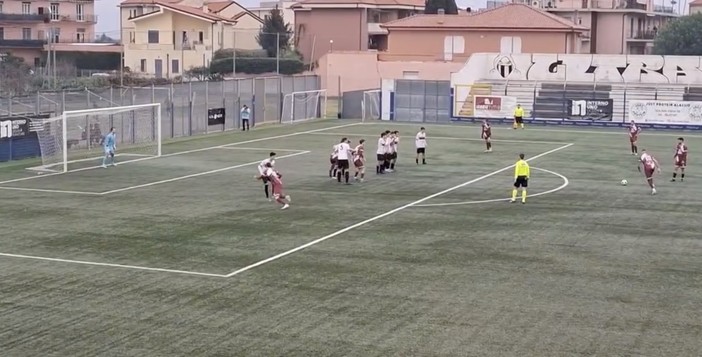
<point x="15" y="75"/>
<point x="680" y="37"/>
<point x="433" y="6"/>
<point x="274" y="30"/>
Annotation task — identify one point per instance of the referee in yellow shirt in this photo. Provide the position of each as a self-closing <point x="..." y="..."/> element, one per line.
<point x="521" y="179"/>
<point x="518" y="117"/>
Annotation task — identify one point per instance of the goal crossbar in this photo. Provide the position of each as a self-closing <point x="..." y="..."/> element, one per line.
<point x="63" y="140"/>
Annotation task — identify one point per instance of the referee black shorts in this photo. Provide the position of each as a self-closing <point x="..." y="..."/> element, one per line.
<point x="421" y="150"/>
<point x="518" y="120"/>
<point x="521" y="181"/>
<point x="343" y="164"/>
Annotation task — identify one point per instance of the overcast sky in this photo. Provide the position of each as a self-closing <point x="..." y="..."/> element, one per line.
<point x="108" y="13"/>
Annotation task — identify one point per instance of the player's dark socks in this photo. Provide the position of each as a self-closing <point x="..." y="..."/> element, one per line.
<point x="355" y="174"/>
<point x="265" y="189"/>
<point x="489" y="146"/>
<point x="392" y="166"/>
<point x="682" y="177"/>
<point x="346" y="177"/>
<point x="416" y="161"/>
<point x="338" y="176"/>
<point x="424" y="161"/>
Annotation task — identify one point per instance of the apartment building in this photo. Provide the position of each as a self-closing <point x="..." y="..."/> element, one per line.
<point x="616" y="26"/>
<point x="27" y="28"/>
<point x="322" y="26"/>
<point x="163" y="38"/>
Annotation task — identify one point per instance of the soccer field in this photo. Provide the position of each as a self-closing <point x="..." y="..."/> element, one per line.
<point x="182" y="255"/>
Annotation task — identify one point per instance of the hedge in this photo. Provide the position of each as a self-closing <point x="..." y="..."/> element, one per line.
<point x="257" y="65"/>
<point x="227" y="53"/>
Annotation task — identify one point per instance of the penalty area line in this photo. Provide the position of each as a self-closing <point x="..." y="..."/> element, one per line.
<point x="197" y="174"/>
<point x="133" y="267"/>
<point x="388" y="213"/>
<point x="49" y="191"/>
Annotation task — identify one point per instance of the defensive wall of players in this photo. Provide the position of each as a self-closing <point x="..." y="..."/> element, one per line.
<point x="663" y="92"/>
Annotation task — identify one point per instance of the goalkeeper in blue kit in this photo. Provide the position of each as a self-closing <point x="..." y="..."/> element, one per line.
<point x="110" y="145"/>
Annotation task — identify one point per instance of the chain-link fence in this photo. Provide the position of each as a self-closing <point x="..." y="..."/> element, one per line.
<point x="184" y="107"/>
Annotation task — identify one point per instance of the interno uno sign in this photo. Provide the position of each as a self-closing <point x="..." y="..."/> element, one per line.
<point x="10" y="128"/>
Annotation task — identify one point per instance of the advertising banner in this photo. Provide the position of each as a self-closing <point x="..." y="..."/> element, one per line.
<point x="493" y="106"/>
<point x="215" y="116"/>
<point x="665" y="112"/>
<point x="13" y="128"/>
<point x="591" y="109"/>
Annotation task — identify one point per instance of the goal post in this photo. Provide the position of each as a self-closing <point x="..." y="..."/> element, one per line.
<point x="74" y="140"/>
<point x="304" y="105"/>
<point x="370" y="105"/>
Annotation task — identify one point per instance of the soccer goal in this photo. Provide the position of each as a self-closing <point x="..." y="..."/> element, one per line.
<point x="73" y="141"/>
<point x="370" y="105"/>
<point x="301" y="106"/>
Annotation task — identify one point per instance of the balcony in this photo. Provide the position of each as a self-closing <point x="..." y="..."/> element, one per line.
<point x="643" y="35"/>
<point x="76" y="18"/>
<point x="635" y="5"/>
<point x="24" y="17"/>
<point x="22" y="44"/>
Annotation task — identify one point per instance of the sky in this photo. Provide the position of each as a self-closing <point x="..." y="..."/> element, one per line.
<point x="108" y="13"/>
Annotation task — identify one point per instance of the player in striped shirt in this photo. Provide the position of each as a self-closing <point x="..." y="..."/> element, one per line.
<point x="634" y="132"/>
<point x="380" y="155"/>
<point x="333" y="161"/>
<point x="359" y="161"/>
<point x="394" y="142"/>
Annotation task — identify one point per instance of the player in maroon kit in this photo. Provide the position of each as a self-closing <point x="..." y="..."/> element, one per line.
<point x="276" y="181"/>
<point x="680" y="159"/>
<point x="650" y="166"/>
<point x="634" y="132"/>
<point x="486" y="134"/>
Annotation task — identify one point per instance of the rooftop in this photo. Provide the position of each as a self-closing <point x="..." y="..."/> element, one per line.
<point x="509" y="16"/>
<point x="360" y="3"/>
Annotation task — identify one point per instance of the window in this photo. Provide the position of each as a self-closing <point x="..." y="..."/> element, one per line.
<point x="175" y="66"/>
<point x="132" y="37"/>
<point x="56" y="34"/>
<point x="26" y="34"/>
<point x="54" y="10"/>
<point x="41" y="35"/>
<point x="410" y="75"/>
<point x="0" y="7"/>
<point x="201" y="37"/>
<point x="453" y="44"/>
<point x="26" y="8"/>
<point x="511" y="45"/>
<point x="2" y="33"/>
<point x="143" y="65"/>
<point x="37" y="61"/>
<point x="153" y="36"/>
<point x="80" y="14"/>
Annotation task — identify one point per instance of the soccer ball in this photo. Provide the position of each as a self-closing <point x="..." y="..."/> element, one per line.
<point x="624" y="182"/>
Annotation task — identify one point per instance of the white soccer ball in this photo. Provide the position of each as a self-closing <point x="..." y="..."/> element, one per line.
<point x="624" y="182"/>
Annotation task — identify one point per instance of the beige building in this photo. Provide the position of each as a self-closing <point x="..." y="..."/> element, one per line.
<point x="501" y="29"/>
<point x="163" y="38"/>
<point x="322" y="26"/>
<point x="616" y="26"/>
<point x="696" y="7"/>
<point x="26" y="28"/>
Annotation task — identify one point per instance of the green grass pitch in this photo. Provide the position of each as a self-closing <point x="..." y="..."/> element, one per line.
<point x="183" y="256"/>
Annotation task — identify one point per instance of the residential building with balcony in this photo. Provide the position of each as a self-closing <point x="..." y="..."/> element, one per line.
<point x="163" y="38"/>
<point x="322" y="26"/>
<point x="616" y="26"/>
<point x="695" y="7"/>
<point x="27" y="28"/>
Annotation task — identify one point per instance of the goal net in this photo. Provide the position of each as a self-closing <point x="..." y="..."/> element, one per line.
<point x="73" y="141"/>
<point x="370" y="106"/>
<point x="301" y="106"/>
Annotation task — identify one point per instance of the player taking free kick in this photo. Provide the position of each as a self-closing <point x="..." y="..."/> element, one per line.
<point x="521" y="179"/>
<point x="110" y="145"/>
<point x="680" y="159"/>
<point x="650" y="166"/>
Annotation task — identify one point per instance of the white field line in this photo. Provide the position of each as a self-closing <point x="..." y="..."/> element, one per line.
<point x="134" y="267"/>
<point x="196" y="175"/>
<point x="429" y="138"/>
<point x="383" y="215"/>
<point x="195" y="150"/>
<point x="539" y="128"/>
<point x="566" y="182"/>
<point x="260" y="149"/>
<point x="50" y="191"/>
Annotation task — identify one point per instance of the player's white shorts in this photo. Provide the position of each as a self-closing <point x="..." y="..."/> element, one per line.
<point x="109" y="151"/>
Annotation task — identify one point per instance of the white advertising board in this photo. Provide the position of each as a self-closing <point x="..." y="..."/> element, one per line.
<point x="665" y="112"/>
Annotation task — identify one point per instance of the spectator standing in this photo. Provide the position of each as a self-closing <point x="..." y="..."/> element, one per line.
<point x="245" y="115"/>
